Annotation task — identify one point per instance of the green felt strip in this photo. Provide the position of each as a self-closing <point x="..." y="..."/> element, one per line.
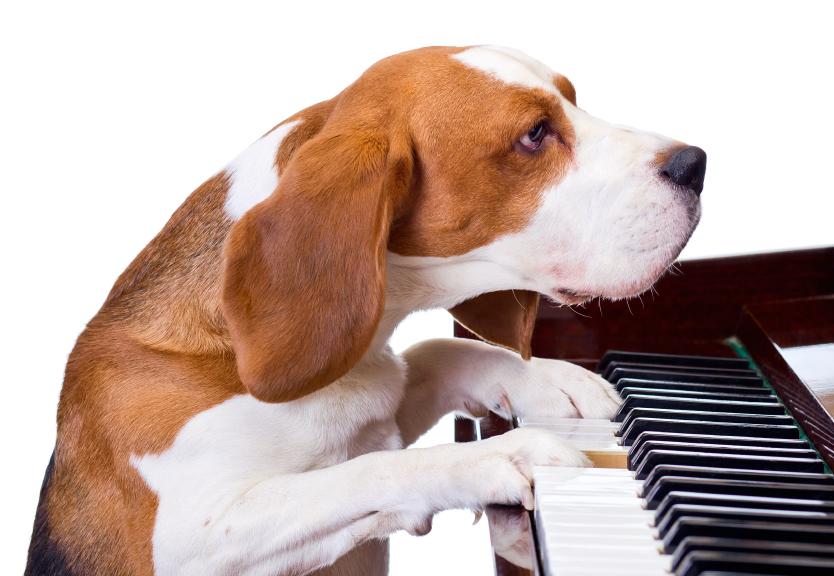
<point x="741" y="352"/>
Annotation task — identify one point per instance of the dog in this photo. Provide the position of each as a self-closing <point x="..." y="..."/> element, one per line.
<point x="234" y="408"/>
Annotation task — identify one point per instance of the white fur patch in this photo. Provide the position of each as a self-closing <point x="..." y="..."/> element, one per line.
<point x="508" y="65"/>
<point x="254" y="174"/>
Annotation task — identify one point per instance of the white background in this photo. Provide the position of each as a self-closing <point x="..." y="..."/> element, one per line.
<point x="111" y="114"/>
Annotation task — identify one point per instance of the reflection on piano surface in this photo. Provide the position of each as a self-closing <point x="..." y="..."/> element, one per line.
<point x="719" y="460"/>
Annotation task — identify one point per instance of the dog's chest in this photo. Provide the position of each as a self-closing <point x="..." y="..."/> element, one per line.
<point x="245" y="439"/>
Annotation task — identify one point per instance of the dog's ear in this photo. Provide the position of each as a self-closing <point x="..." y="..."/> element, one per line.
<point x="304" y="275"/>
<point x="565" y="86"/>
<point x="504" y="318"/>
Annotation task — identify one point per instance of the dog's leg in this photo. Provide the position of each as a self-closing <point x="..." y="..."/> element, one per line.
<point x="448" y="375"/>
<point x="296" y="523"/>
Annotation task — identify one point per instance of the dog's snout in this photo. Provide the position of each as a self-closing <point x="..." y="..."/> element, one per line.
<point x="686" y="168"/>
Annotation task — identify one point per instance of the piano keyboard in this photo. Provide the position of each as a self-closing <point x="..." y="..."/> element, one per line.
<point x="716" y="479"/>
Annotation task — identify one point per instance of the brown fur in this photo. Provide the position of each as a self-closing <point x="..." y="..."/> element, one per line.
<point x="666" y="154"/>
<point x="566" y="88"/>
<point x="155" y="355"/>
<point x="287" y="299"/>
<point x="463" y="148"/>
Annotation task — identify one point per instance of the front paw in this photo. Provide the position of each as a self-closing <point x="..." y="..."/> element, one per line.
<point x="558" y="389"/>
<point x="499" y="470"/>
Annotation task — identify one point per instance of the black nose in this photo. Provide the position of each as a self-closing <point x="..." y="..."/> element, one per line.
<point x="686" y="168"/>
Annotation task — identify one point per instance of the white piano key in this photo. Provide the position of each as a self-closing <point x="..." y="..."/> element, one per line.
<point x="611" y="561"/>
<point x="560" y="472"/>
<point x="606" y="560"/>
<point x="618" y="570"/>
<point x="591" y="522"/>
<point x="589" y="549"/>
<point x="589" y="425"/>
<point x="615" y="513"/>
<point x="599" y="439"/>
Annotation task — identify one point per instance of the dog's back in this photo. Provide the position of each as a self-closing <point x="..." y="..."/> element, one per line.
<point x="154" y="355"/>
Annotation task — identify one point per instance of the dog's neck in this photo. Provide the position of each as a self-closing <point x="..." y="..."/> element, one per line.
<point x="419" y="283"/>
<point x="416" y="283"/>
<point x="169" y="296"/>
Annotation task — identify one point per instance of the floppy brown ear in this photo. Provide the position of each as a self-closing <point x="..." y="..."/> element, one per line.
<point x="304" y="273"/>
<point x="504" y="318"/>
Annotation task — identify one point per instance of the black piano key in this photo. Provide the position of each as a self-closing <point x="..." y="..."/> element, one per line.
<point x="661" y="424"/>
<point x="743" y="515"/>
<point x="659" y="490"/>
<point x="756" y="388"/>
<point x="671" y="472"/>
<point x="777" y="443"/>
<point x="717" y="422"/>
<point x="765" y="397"/>
<point x="636" y="455"/>
<point x="702" y="562"/>
<point x="672" y="359"/>
<point x="672" y="368"/>
<point x="656" y="457"/>
<point x="740" y="501"/>
<point x="692" y="543"/>
<point x="696" y="404"/>
<point x="705" y="416"/>
<point x="754" y="530"/>
<point x="647" y="374"/>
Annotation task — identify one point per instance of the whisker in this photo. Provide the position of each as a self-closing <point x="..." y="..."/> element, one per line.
<point x="576" y="312"/>
<point x="517" y="301"/>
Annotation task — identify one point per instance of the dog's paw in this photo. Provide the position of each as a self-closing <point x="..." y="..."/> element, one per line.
<point x="499" y="470"/>
<point x="557" y="389"/>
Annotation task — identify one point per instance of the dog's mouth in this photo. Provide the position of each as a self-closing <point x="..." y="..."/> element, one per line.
<point x="632" y="287"/>
<point x="573" y="297"/>
<point x="570" y="297"/>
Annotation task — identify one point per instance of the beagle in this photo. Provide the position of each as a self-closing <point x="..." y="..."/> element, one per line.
<point x="234" y="408"/>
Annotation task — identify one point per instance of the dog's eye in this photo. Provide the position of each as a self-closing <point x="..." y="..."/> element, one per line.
<point x="533" y="140"/>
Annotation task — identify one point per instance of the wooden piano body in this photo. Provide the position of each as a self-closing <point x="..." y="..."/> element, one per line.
<point x="776" y="307"/>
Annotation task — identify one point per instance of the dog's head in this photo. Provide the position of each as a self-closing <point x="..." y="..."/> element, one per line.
<point x="473" y="166"/>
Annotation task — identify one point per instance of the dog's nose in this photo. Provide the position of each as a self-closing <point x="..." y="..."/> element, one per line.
<point x="686" y="168"/>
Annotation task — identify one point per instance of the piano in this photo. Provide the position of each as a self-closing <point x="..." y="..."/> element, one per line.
<point x="720" y="459"/>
